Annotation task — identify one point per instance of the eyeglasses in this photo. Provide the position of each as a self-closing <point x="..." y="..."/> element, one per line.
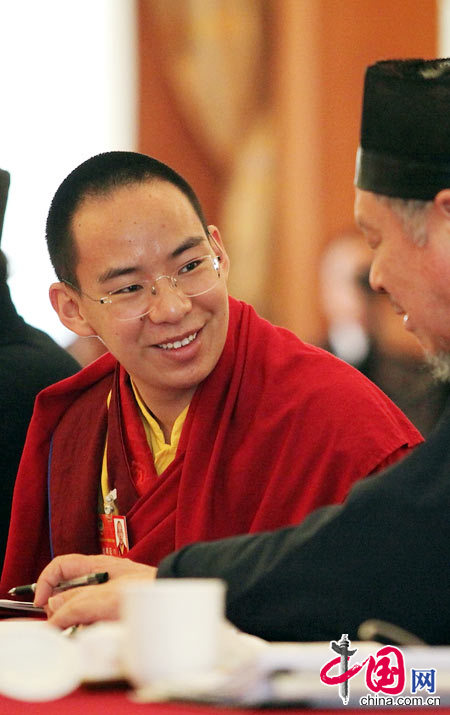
<point x="196" y="277"/>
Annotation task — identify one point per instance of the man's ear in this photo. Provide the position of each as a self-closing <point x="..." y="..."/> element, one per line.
<point x="442" y="203"/>
<point x="66" y="302"/>
<point x="224" y="259"/>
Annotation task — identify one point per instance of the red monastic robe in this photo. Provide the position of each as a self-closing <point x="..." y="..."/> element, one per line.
<point x="277" y="429"/>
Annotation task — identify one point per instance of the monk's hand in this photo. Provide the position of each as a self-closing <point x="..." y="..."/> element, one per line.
<point x="85" y="600"/>
<point x="90" y="604"/>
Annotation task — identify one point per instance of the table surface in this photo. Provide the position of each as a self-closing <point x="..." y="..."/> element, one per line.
<point x="117" y="702"/>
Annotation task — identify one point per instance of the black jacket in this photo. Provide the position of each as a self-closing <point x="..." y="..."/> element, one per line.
<point x="29" y="361"/>
<point x="384" y="553"/>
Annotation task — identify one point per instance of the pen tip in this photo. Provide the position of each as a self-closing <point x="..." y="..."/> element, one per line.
<point x="12" y="591"/>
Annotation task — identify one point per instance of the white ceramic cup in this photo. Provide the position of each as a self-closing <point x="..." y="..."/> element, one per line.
<point x="171" y="628"/>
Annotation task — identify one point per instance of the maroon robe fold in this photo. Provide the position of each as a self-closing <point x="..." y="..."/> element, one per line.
<point x="277" y="429"/>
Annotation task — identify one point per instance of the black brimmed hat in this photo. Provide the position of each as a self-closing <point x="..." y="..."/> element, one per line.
<point x="404" y="149"/>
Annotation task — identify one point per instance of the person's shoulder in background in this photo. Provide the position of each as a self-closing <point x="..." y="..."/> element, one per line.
<point x="30" y="360"/>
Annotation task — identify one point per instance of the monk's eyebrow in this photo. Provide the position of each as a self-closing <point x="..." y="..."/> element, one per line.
<point x="190" y="242"/>
<point x="115" y="273"/>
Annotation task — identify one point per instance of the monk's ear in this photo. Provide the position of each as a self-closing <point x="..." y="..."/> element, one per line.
<point x="67" y="303"/>
<point x="442" y="203"/>
<point x="217" y="243"/>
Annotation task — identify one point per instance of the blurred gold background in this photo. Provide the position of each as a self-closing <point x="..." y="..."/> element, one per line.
<point x="257" y="103"/>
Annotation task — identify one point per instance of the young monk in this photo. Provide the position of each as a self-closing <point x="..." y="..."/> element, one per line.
<point x="203" y="420"/>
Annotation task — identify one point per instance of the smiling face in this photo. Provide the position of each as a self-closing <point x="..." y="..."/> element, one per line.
<point x="119" y="529"/>
<point x="140" y="232"/>
<point x="416" y="278"/>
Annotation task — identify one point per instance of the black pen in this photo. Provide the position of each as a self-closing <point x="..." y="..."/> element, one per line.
<point x="87" y="580"/>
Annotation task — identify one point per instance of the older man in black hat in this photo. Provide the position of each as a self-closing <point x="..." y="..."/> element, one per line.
<point x="384" y="553"/>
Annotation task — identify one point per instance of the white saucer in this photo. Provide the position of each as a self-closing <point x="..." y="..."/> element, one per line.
<point x="37" y="663"/>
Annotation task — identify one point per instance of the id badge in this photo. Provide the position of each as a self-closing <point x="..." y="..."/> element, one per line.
<point x="113" y="535"/>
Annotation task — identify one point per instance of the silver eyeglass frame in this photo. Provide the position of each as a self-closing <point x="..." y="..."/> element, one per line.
<point x="108" y="298"/>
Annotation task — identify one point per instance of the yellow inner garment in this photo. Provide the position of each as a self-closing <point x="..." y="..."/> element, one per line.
<point x="163" y="453"/>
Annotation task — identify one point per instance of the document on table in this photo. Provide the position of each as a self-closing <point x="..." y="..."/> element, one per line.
<point x="24" y="606"/>
<point x="285" y="674"/>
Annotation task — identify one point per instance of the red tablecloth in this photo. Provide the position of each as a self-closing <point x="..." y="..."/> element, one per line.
<point x="117" y="702"/>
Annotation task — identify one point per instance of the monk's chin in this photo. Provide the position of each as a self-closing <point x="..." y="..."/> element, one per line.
<point x="440" y="366"/>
